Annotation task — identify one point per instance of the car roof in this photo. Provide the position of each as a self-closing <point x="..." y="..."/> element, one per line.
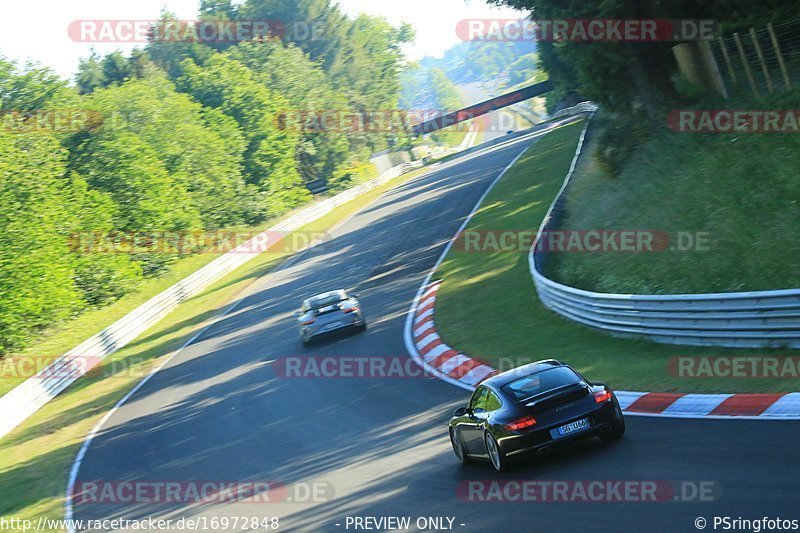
<point x="508" y="376"/>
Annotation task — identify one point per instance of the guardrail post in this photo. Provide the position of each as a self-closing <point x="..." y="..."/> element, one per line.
<point x="777" y="48"/>
<point x="760" y="55"/>
<point x="746" y="65"/>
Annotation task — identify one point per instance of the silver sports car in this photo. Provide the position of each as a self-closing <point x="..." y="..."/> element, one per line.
<point x="328" y="312"/>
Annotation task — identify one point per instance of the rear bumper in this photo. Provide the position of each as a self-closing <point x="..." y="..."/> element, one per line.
<point x="601" y="420"/>
<point x="345" y="320"/>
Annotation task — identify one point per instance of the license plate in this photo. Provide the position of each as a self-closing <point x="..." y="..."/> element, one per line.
<point x="332" y="325"/>
<point x="572" y="427"/>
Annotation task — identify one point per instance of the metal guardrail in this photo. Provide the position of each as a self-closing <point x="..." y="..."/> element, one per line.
<point x="583" y="107"/>
<point x="25" y="399"/>
<point x="734" y="319"/>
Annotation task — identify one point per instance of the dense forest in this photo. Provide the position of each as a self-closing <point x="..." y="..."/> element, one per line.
<point x="174" y="137"/>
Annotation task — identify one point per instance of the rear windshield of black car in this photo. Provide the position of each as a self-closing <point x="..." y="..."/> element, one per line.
<point x="540" y="382"/>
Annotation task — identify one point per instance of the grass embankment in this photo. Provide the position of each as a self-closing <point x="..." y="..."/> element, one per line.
<point x="35" y="458"/>
<point x="488" y="307"/>
<point x="739" y="193"/>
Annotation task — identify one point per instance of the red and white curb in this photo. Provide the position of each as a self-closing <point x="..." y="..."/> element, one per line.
<point x="437" y="354"/>
<point x="458" y="368"/>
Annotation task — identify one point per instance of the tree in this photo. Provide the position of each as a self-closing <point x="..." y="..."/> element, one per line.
<point x="116" y="69"/>
<point x="200" y="150"/>
<point x="362" y="56"/>
<point x="90" y="73"/>
<point x="35" y="264"/>
<point x="33" y="88"/>
<point x="125" y="166"/>
<point x="523" y="69"/>
<point x="169" y="55"/>
<point x="100" y="274"/>
<point x="445" y="93"/>
<point x="308" y="90"/>
<point x="230" y="86"/>
<point x="300" y="18"/>
<point x="190" y="137"/>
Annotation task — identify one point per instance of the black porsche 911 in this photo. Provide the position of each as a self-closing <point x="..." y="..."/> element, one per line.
<point x="530" y="409"/>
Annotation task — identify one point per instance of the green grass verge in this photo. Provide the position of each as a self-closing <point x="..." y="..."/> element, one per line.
<point x="487" y="305"/>
<point x="35" y="458"/>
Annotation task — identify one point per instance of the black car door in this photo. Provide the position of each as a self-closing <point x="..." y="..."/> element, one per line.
<point x="472" y="427"/>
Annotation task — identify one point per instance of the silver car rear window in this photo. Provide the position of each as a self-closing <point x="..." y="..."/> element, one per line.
<point x="325" y="300"/>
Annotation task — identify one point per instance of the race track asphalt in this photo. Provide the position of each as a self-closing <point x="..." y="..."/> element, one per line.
<point x="222" y="411"/>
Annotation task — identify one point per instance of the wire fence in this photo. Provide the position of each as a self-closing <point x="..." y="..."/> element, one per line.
<point x="761" y="61"/>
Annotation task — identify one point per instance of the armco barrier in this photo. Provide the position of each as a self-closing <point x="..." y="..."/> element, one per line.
<point x="24" y="400"/>
<point x="583" y="107"/>
<point x="735" y="319"/>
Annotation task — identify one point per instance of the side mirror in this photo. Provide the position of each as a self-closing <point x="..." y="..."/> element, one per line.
<point x="461" y="411"/>
<point x="356" y="295"/>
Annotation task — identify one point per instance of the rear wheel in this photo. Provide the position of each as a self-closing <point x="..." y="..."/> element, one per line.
<point x="458" y="449"/>
<point x="615" y="433"/>
<point x="617" y="428"/>
<point x="496" y="455"/>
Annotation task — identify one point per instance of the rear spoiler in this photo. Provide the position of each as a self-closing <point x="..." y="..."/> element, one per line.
<point x="552" y="394"/>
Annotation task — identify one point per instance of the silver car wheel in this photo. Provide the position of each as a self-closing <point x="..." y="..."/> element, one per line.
<point x="494" y="453"/>
<point x="457" y="447"/>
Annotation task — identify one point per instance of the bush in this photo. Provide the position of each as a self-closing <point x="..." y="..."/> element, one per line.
<point x="350" y="176"/>
<point x="618" y="137"/>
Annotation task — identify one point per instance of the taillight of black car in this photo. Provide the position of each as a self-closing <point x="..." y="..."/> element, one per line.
<point x="603" y="395"/>
<point x="521" y="423"/>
